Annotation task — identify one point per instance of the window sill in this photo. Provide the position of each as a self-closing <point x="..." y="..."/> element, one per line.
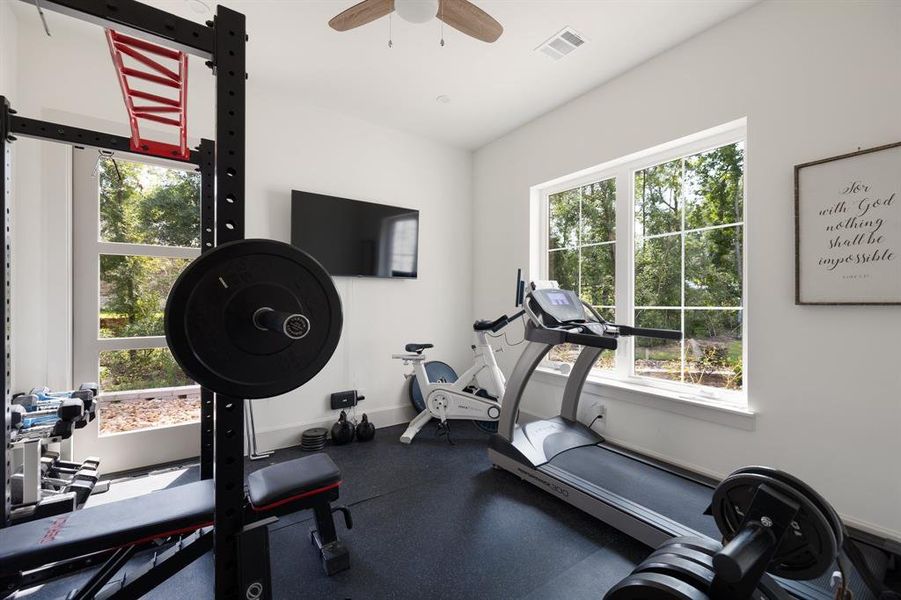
<point x="731" y="415"/>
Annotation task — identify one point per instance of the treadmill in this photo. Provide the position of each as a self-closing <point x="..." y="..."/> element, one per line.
<point x="644" y="498"/>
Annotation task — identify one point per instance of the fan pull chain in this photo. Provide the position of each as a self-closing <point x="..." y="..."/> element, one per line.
<point x="441" y="18"/>
<point x="390" y="42"/>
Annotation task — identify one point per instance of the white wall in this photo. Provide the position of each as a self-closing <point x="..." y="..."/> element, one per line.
<point x="814" y="79"/>
<point x="289" y="146"/>
<point x="8" y="40"/>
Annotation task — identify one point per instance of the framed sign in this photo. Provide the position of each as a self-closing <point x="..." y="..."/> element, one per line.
<point x="848" y="228"/>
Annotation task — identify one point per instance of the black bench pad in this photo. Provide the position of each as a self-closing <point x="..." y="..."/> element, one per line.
<point x="166" y="512"/>
<point x="292" y="479"/>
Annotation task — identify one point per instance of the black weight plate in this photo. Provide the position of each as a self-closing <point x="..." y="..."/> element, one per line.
<point x="210" y="327"/>
<point x="693" y="541"/>
<point x="767" y="588"/>
<point x="806" y="550"/>
<point x="704" y="559"/>
<point x="689" y="571"/>
<point x="838" y="528"/>
<point x="653" y="586"/>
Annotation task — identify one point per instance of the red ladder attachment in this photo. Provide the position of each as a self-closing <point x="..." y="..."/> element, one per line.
<point x="156" y="107"/>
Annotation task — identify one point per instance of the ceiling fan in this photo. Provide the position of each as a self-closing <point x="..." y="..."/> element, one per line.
<point x="462" y="15"/>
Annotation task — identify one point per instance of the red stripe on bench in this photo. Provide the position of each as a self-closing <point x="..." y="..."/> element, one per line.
<point x="293" y="498"/>
<point x="165" y="534"/>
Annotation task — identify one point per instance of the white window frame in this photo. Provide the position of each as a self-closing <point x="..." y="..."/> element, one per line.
<point x="623" y="171"/>
<point x="88" y="247"/>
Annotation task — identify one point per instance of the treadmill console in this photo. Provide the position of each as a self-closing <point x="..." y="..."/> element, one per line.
<point x="564" y="306"/>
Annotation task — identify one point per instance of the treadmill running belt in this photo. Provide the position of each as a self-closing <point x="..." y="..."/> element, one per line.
<point x="665" y="493"/>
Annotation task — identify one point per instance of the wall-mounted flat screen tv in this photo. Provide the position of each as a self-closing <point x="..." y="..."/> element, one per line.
<point x="355" y="238"/>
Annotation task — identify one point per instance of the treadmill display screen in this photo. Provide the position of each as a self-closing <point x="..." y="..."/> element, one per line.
<point x="563" y="305"/>
<point x="559" y="299"/>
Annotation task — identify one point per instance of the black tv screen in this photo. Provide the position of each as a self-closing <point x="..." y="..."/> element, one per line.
<point x="355" y="238"/>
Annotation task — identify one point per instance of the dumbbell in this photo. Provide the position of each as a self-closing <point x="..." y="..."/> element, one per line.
<point x="62" y="477"/>
<point x="89" y="398"/>
<point x="17" y="414"/>
<point x="91" y="462"/>
<point x="95" y="389"/>
<point x="70" y="409"/>
<point x="82" y="490"/>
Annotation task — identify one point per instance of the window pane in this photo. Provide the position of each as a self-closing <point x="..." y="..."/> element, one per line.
<point x="713" y="348"/>
<point x="599" y="275"/>
<point x="133" y="292"/>
<point x="599" y="212"/>
<point x="147" y="204"/>
<point x="142" y="369"/>
<point x="658" y="199"/>
<point x="661" y="359"/>
<point x="567" y="353"/>
<point x="658" y="271"/>
<point x="713" y="187"/>
<point x="563" y="219"/>
<point x="713" y="269"/>
<point x="563" y="267"/>
<point x="130" y="411"/>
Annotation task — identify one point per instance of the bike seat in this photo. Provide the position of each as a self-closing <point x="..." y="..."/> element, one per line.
<point x="486" y="325"/>
<point x="417" y="348"/>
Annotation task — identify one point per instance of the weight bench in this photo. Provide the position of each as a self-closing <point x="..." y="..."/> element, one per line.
<point x="46" y="549"/>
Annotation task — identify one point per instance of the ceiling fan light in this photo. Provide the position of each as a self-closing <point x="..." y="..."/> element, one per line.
<point x="416" y="11"/>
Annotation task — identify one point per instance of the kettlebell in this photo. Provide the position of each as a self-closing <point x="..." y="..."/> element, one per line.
<point x="342" y="431"/>
<point x="365" y="430"/>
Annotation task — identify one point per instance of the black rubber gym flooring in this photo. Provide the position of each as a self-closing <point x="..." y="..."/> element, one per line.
<point x="431" y="520"/>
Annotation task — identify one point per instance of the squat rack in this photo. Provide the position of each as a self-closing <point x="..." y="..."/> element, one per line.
<point x="222" y="44"/>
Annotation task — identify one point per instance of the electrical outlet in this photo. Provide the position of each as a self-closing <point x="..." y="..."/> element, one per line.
<point x="598" y="413"/>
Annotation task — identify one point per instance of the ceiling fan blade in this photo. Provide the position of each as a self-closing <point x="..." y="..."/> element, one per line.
<point x="361" y="13"/>
<point x="468" y="18"/>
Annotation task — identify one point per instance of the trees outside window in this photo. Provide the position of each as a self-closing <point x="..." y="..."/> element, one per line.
<point x="683" y="219"/>
<point x="145" y="232"/>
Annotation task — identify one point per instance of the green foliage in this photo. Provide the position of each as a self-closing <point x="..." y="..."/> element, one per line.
<point x="143" y="204"/>
<point x="598" y="216"/>
<point x="140" y="369"/>
<point x="658" y="271"/>
<point x="564" y="217"/>
<point x="136" y="288"/>
<point x="599" y="275"/>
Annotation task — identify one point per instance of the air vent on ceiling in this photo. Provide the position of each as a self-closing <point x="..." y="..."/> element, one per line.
<point x="562" y="43"/>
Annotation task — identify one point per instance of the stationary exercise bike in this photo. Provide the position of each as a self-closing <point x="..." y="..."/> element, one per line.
<point x="437" y="392"/>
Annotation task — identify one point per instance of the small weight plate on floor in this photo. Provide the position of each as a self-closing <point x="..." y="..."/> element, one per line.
<point x="653" y="586"/>
<point x="211" y="313"/>
<point x="807" y="549"/>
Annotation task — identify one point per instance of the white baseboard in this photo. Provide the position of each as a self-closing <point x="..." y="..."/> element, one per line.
<point x="286" y="437"/>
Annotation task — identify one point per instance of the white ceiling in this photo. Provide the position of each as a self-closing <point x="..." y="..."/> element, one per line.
<point x="493" y="88"/>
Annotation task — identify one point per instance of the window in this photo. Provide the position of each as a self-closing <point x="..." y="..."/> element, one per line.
<point x="582" y="251"/>
<point x="678" y="218"/>
<point x="134" y="238"/>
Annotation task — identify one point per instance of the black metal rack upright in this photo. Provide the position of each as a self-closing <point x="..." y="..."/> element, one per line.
<point x="222" y="43"/>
